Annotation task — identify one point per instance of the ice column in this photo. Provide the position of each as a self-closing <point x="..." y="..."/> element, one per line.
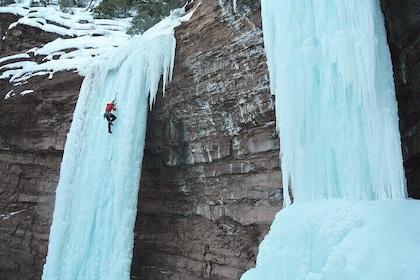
<point x="336" y="111"/>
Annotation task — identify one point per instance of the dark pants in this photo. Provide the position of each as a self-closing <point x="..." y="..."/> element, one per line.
<point x="110" y="117"/>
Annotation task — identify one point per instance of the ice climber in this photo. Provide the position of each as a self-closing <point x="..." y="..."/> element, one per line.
<point x="109" y="115"/>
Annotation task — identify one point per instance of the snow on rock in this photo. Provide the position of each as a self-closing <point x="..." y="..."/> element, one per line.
<point x="83" y="40"/>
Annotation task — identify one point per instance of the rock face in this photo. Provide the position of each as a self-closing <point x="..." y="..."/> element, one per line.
<point x="33" y="131"/>
<point x="209" y="188"/>
<point x="210" y="183"/>
<point x="31" y="148"/>
<point x="403" y="28"/>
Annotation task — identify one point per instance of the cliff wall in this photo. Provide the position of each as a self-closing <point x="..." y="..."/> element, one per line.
<point x="210" y="183"/>
<point x="33" y="130"/>
<point x="402" y="21"/>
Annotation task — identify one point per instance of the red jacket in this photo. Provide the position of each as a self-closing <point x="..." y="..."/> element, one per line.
<point x="110" y="107"/>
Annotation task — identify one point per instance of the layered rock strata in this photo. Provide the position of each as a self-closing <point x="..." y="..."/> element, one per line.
<point x="210" y="183"/>
<point x="33" y="129"/>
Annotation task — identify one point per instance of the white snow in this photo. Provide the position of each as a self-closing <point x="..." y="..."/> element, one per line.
<point x="11" y="214"/>
<point x="87" y="40"/>
<point x="336" y="111"/>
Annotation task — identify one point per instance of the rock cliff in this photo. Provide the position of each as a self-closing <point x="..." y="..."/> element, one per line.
<point x="209" y="188"/>
<point x="403" y="26"/>
<point x="33" y="129"/>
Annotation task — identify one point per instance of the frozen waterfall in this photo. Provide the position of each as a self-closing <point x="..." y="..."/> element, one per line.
<point x="92" y="233"/>
<point x="331" y="73"/>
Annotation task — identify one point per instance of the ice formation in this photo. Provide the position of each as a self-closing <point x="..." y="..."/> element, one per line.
<point x="331" y="73"/>
<point x="92" y="233"/>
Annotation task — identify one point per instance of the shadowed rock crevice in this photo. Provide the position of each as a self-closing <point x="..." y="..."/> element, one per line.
<point x="402" y="20"/>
